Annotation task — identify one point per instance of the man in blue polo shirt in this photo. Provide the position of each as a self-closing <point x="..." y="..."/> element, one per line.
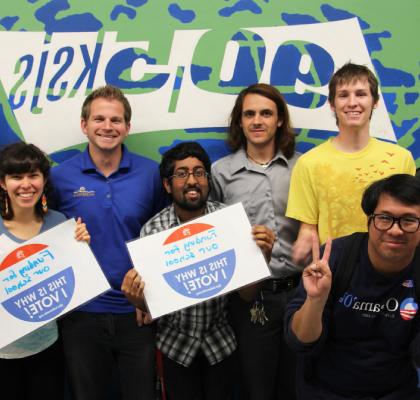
<point x="115" y="192"/>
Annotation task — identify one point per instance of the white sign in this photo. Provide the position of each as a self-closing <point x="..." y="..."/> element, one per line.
<point x="6" y="245"/>
<point x="44" y="278"/>
<point x="196" y="261"/>
<point x="46" y="80"/>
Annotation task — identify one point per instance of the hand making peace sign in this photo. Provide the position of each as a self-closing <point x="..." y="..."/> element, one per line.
<point x="317" y="275"/>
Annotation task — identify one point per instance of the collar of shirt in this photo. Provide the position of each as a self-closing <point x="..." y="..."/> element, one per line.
<point x="240" y="160"/>
<point x="88" y="165"/>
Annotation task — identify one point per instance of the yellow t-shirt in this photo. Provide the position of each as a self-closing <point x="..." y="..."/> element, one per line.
<point x="327" y="184"/>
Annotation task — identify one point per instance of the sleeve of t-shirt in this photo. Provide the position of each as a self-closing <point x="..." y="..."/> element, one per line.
<point x="302" y="203"/>
<point x="53" y="218"/>
<point x="410" y="165"/>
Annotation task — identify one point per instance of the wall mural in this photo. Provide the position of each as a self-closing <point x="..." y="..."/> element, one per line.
<point x="182" y="63"/>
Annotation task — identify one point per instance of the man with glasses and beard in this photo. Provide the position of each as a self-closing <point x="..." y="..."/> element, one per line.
<point x="197" y="343"/>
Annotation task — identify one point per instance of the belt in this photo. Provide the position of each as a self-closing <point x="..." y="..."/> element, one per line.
<point x="281" y="284"/>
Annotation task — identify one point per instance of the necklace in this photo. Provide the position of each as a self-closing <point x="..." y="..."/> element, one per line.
<point x="262" y="165"/>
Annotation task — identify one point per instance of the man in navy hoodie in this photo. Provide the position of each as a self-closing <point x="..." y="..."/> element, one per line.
<point x="360" y="342"/>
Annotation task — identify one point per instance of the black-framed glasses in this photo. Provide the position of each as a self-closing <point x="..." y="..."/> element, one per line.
<point x="383" y="222"/>
<point x="183" y="174"/>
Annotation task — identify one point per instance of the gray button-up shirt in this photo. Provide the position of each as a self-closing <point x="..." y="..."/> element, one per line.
<point x="263" y="192"/>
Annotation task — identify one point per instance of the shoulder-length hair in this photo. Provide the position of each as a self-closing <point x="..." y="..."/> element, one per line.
<point x="285" y="136"/>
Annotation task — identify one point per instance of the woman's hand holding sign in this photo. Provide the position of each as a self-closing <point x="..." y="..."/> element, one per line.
<point x="81" y="233"/>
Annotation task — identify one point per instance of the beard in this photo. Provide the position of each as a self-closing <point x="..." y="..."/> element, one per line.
<point x="188" y="204"/>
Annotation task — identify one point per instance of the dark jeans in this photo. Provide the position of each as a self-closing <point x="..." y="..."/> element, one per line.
<point x="95" y="343"/>
<point x="40" y="376"/>
<point x="267" y="367"/>
<point x="200" y="381"/>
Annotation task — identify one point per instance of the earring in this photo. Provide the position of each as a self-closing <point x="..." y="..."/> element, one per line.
<point x="44" y="203"/>
<point x="6" y="204"/>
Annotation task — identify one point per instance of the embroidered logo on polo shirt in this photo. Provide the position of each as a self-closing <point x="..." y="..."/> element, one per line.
<point x="82" y="192"/>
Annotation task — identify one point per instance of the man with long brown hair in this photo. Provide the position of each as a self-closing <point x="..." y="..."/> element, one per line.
<point x="258" y="174"/>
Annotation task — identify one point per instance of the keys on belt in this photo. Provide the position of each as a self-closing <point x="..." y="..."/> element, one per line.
<point x="275" y="286"/>
<point x="257" y="311"/>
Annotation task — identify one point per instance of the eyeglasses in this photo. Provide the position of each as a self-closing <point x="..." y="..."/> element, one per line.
<point x="383" y="222"/>
<point x="182" y="174"/>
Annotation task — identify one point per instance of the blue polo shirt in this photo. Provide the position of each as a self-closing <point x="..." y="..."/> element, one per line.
<point x="114" y="209"/>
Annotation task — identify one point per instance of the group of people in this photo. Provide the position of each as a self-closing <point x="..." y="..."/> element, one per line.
<point x="338" y="323"/>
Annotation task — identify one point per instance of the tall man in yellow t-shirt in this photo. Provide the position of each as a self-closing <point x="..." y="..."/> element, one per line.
<point x="328" y="181"/>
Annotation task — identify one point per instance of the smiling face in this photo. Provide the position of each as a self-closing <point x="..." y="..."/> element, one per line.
<point x="392" y="250"/>
<point x="259" y="121"/>
<point x="105" y="126"/>
<point x="353" y="104"/>
<point x="24" y="189"/>
<point x="190" y="194"/>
